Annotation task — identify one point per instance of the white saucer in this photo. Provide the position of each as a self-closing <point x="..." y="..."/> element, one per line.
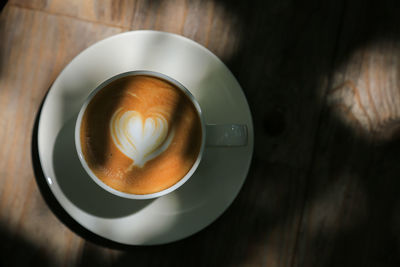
<point x="177" y="215"/>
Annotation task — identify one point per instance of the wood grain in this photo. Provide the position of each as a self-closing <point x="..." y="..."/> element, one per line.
<point x="207" y="22"/>
<point x="31" y="57"/>
<point x="117" y="13"/>
<point x="322" y="81"/>
<point x="351" y="210"/>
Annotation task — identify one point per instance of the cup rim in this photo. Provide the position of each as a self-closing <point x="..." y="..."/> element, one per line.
<point x="108" y="188"/>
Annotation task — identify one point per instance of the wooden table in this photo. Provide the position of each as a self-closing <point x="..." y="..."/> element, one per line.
<point x="323" y="82"/>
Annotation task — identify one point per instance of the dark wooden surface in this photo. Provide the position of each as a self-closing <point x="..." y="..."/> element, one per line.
<point x="323" y="82"/>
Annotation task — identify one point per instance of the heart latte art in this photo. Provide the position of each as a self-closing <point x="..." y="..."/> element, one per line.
<point x="140" y="134"/>
<point x="141" y="139"/>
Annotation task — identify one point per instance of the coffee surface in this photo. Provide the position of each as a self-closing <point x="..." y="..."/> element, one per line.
<point x="140" y="134"/>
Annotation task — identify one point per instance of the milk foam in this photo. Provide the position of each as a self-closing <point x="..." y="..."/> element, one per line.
<point x="141" y="139"/>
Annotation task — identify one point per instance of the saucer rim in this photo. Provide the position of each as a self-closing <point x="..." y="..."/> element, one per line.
<point x="46" y="103"/>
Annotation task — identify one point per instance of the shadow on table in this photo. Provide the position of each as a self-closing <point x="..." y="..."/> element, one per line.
<point x="17" y="251"/>
<point x="308" y="164"/>
<point x="306" y="159"/>
<point x="2" y="4"/>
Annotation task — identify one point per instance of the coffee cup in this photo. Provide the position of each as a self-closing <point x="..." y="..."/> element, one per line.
<point x="141" y="135"/>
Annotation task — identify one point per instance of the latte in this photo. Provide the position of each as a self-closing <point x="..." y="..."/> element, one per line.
<point x="140" y="134"/>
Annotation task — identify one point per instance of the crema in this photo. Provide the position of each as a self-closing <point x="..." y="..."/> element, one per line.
<point x="140" y="134"/>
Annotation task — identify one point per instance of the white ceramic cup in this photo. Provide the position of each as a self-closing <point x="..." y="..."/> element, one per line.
<point x="227" y="135"/>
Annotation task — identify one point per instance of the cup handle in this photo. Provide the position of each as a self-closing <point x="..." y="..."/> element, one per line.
<point x="227" y="135"/>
